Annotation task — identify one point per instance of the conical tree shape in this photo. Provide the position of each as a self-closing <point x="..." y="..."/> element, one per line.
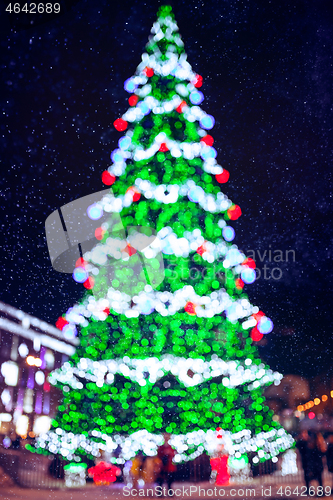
<point x="167" y="332"/>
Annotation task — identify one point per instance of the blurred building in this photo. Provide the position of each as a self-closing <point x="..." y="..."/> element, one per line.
<point x="292" y="390"/>
<point x="29" y="350"/>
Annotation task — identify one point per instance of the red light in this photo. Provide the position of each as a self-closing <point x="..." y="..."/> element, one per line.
<point x="80" y="262"/>
<point x="201" y="249"/>
<point x="120" y="124"/>
<point x="234" y="212"/>
<point x="311" y="415"/>
<point x="222" y="178"/>
<point x="208" y="139"/>
<point x="107" y="178"/>
<point x="149" y="72"/>
<point x="106" y="311"/>
<point x="249" y="263"/>
<point x="198" y="81"/>
<point x="258" y="316"/>
<point x="99" y="233"/>
<point x="239" y="283"/>
<point x="47" y="387"/>
<point x="181" y="106"/>
<point x="61" y="322"/>
<point x="163" y="147"/>
<point x="256" y="335"/>
<point x="130" y="250"/>
<point x="190" y="308"/>
<point x="89" y="283"/>
<point x="136" y="195"/>
<point x="132" y="101"/>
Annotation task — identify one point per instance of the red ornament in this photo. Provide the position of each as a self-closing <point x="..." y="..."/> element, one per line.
<point x="106" y="311"/>
<point x="130" y="250"/>
<point x="163" y="147"/>
<point x="120" y="124"/>
<point x="224" y="177"/>
<point x="239" y="283"/>
<point x="99" y="233"/>
<point x="61" y="322"/>
<point x="208" y="140"/>
<point x="132" y="101"/>
<point x="107" y="178"/>
<point x="197" y="82"/>
<point x="179" y="109"/>
<point x="256" y="335"/>
<point x="104" y="473"/>
<point x="248" y="262"/>
<point x="80" y="262"/>
<point x="136" y="195"/>
<point x="190" y="308"/>
<point x="234" y="212"/>
<point x="149" y="71"/>
<point x="89" y="283"/>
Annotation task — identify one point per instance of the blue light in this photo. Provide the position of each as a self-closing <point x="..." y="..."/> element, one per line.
<point x="94" y="212"/>
<point x="234" y="257"/>
<point x="147" y="307"/>
<point x="228" y="233"/>
<point x="248" y="275"/>
<point x="208" y="152"/>
<point x="196" y="194"/>
<point x="69" y="331"/>
<point x="207" y="122"/>
<point x="130" y="86"/>
<point x="144" y="107"/>
<point x="116" y="156"/>
<point x="167" y="248"/>
<point x="265" y="325"/>
<point x="196" y="97"/>
<point x="124" y="143"/>
<point x="80" y="275"/>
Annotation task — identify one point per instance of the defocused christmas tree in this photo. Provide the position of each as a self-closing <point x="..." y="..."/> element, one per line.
<point x="178" y="354"/>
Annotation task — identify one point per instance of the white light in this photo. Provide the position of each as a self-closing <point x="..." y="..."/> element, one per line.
<point x="23" y="350"/>
<point x="42" y="425"/>
<point x="26" y="322"/>
<point x="10" y="371"/>
<point x="40" y="377"/>
<point x="22" y="425"/>
<point x="6" y="397"/>
<point x="5" y="417"/>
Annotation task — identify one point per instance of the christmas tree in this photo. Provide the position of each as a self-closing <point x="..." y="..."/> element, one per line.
<point x="167" y="334"/>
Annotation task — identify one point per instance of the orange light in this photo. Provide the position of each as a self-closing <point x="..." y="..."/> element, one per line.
<point x="324" y="397"/>
<point x="311" y="404"/>
<point x="331" y="394"/>
<point x="316" y="401"/>
<point x="34" y="361"/>
<point x="300" y="408"/>
<point x="31" y="360"/>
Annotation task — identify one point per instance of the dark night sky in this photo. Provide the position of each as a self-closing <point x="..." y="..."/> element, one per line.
<point x="268" y="79"/>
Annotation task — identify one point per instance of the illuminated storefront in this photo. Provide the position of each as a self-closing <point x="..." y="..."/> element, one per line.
<point x="29" y="350"/>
